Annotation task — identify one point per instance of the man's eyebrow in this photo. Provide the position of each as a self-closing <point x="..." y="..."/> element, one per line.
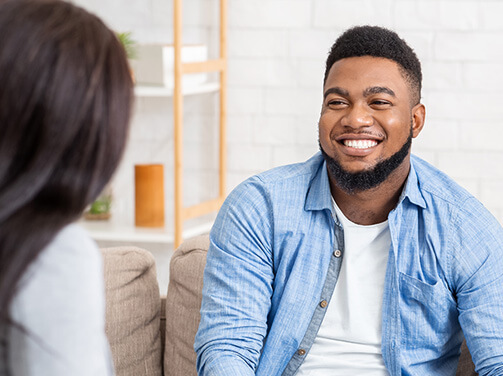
<point x="366" y="92"/>
<point x="378" y="90"/>
<point x="335" y="90"/>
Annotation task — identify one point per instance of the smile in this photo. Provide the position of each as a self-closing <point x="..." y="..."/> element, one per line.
<point x="360" y="144"/>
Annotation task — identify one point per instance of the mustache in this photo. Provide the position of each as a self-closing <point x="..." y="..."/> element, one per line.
<point x="360" y="132"/>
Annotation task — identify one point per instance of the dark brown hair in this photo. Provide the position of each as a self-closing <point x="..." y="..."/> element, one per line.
<point x="65" y="100"/>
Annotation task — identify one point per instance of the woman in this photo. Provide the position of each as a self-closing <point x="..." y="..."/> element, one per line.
<point x="65" y="98"/>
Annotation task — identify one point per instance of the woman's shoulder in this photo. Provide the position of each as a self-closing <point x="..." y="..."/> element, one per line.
<point x="60" y="305"/>
<point x="72" y="246"/>
<point x="68" y="269"/>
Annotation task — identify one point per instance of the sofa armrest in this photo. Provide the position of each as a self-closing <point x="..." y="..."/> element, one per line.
<point x="183" y="303"/>
<point x="132" y="311"/>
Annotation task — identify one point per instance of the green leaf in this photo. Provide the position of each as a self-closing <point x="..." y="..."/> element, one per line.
<point x="128" y="43"/>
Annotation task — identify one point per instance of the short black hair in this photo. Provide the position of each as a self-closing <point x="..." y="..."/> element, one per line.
<point x="378" y="42"/>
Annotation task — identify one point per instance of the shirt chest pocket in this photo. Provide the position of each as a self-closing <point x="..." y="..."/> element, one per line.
<point x="428" y="313"/>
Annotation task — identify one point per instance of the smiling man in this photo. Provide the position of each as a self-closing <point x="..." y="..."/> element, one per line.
<point x="363" y="260"/>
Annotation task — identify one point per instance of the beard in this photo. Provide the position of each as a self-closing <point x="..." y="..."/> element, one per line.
<point x="352" y="182"/>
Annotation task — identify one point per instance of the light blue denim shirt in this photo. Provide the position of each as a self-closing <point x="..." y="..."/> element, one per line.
<point x="273" y="258"/>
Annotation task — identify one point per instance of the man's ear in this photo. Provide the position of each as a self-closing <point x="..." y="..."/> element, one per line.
<point x="418" y="116"/>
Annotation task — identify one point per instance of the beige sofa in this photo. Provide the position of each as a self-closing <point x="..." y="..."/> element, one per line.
<point x="153" y="336"/>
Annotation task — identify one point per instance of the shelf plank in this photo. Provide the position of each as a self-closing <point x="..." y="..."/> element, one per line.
<point x="202" y="208"/>
<point x="162" y="91"/>
<point x="114" y="232"/>
<point x="217" y="65"/>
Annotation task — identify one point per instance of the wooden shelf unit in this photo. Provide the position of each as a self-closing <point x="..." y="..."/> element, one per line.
<point x="219" y="65"/>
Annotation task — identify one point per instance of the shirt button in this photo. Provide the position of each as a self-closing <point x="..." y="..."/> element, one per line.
<point x="338" y="253"/>
<point x="323" y="303"/>
<point x="301" y="352"/>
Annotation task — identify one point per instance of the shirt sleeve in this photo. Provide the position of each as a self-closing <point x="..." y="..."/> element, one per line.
<point x="477" y="267"/>
<point x="61" y="310"/>
<point x="237" y="284"/>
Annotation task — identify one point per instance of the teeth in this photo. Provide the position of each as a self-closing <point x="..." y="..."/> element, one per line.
<point x="360" y="144"/>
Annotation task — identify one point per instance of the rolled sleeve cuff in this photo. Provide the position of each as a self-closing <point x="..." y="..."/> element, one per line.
<point x="226" y="366"/>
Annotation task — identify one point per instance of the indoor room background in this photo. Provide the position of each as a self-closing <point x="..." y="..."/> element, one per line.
<point x="276" y="55"/>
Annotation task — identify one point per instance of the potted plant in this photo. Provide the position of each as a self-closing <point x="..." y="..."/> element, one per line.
<point x="128" y="43"/>
<point x="100" y="208"/>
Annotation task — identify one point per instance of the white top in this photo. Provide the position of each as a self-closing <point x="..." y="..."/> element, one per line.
<point x="349" y="339"/>
<point x="61" y="304"/>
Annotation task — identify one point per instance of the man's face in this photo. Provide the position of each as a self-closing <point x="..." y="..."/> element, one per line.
<point x="367" y="116"/>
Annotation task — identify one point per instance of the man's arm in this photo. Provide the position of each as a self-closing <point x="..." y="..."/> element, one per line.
<point x="237" y="284"/>
<point x="478" y="274"/>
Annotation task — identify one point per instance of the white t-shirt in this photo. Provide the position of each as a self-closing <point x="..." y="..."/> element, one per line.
<point x="349" y="339"/>
<point x="61" y="304"/>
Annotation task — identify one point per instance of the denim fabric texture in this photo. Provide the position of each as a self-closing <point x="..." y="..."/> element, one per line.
<point x="273" y="259"/>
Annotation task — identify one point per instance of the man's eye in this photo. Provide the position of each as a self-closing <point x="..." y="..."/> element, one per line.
<point x="336" y="103"/>
<point x="380" y="103"/>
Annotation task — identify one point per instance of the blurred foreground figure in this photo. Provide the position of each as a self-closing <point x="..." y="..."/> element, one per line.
<point x="65" y="98"/>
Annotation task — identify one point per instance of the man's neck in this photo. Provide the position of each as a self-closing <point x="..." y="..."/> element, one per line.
<point x="372" y="206"/>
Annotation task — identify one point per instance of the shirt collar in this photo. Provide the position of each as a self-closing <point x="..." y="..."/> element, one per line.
<point x="319" y="196"/>
<point x="412" y="190"/>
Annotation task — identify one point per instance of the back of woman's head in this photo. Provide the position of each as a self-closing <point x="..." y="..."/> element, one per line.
<point x="65" y="93"/>
<point x="65" y="99"/>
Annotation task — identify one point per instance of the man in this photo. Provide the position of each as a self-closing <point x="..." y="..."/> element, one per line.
<point x="364" y="260"/>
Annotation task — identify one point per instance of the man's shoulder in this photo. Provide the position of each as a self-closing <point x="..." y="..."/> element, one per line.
<point x="442" y="193"/>
<point x="286" y="184"/>
<point x="292" y="171"/>
<point x="436" y="184"/>
<point x="292" y="174"/>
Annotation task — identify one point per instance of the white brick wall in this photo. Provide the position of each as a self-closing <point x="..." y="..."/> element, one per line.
<point x="437" y="15"/>
<point x="276" y="54"/>
<point x="340" y="15"/>
<point x="274" y="14"/>
<point x="468" y="46"/>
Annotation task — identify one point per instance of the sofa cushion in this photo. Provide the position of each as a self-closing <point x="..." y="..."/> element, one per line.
<point x="132" y="311"/>
<point x="183" y="303"/>
<point x="465" y="365"/>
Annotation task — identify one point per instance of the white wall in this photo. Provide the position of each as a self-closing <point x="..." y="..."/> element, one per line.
<point x="277" y="50"/>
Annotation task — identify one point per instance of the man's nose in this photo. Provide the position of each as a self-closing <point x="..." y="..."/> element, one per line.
<point x="358" y="116"/>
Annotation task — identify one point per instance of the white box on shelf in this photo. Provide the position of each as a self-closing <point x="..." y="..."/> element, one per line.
<point x="154" y="65"/>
